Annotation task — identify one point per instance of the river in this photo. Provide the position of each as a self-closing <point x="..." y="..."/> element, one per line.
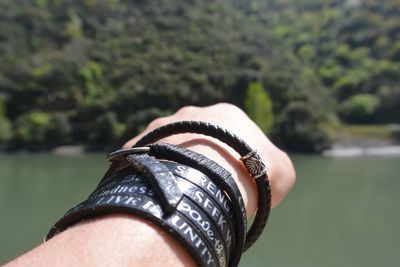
<point x="341" y="212"/>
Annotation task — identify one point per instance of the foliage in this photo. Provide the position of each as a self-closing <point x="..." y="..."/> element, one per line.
<point x="5" y="125"/>
<point x="359" y="108"/>
<point x="259" y="106"/>
<point x="5" y="130"/>
<point x="106" y="129"/>
<point x="38" y="130"/>
<point x="362" y="131"/>
<point x="59" y="130"/>
<point x="135" y="122"/>
<point x="299" y="128"/>
<point x="67" y="68"/>
<point x="31" y="129"/>
<point x="353" y="46"/>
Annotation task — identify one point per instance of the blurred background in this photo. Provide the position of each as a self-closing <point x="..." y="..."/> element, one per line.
<point x="320" y="77"/>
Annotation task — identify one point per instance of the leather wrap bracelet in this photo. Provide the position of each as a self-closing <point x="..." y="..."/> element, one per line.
<point x="128" y="190"/>
<point x="250" y="158"/>
<point x="176" y="224"/>
<point x="219" y="175"/>
<point x="193" y="201"/>
<point x="190" y="196"/>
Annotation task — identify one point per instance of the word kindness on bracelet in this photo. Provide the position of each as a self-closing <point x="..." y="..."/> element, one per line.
<point x="190" y="196"/>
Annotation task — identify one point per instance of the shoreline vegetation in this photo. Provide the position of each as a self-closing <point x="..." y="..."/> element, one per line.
<point x="347" y="141"/>
<point x="95" y="72"/>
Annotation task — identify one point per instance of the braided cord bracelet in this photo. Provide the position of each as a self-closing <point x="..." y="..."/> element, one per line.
<point x="249" y="157"/>
<point x="184" y="192"/>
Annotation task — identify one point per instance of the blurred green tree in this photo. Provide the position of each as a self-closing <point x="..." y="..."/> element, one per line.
<point x="5" y="125"/>
<point x="359" y="108"/>
<point x="299" y="128"/>
<point x="258" y="106"/>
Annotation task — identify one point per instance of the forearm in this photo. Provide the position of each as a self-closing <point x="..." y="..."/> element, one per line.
<point x="113" y="240"/>
<point x="125" y="240"/>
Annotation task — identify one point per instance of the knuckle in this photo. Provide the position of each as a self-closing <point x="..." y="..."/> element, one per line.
<point x="290" y="173"/>
<point x="228" y="106"/>
<point x="187" y="109"/>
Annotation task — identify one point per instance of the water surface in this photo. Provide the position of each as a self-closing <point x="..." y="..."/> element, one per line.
<point x="342" y="211"/>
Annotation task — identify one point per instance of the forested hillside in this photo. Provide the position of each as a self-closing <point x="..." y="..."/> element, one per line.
<point x="94" y="72"/>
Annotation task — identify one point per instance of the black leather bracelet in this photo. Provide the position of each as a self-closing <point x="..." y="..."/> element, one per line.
<point x="131" y="184"/>
<point x="176" y="223"/>
<point x="206" y="226"/>
<point x="202" y="190"/>
<point x="169" y="198"/>
<point x="199" y="219"/>
<point x="218" y="174"/>
<point x="128" y="181"/>
<point x="221" y="223"/>
<point x="249" y="157"/>
<point x="221" y="177"/>
<point x="204" y="182"/>
<point x="204" y="197"/>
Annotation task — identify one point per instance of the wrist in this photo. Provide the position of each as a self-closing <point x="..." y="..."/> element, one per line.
<point x="162" y="179"/>
<point x="119" y="240"/>
<point x="227" y="158"/>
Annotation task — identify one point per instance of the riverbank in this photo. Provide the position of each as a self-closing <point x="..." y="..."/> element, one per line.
<point x="347" y="141"/>
<point x="363" y="140"/>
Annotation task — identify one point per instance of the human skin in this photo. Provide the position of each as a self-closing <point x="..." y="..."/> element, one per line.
<point x="127" y="240"/>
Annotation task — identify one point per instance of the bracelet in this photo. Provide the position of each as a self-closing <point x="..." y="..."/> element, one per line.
<point x="135" y="184"/>
<point x="249" y="157"/>
<point x="192" y="197"/>
<point x="221" y="222"/>
<point x="222" y="178"/>
<point x="177" y="224"/>
<point x="201" y="180"/>
<point x="129" y="190"/>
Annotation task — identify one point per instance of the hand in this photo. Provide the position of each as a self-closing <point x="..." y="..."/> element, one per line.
<point x="281" y="172"/>
<point x="120" y="239"/>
